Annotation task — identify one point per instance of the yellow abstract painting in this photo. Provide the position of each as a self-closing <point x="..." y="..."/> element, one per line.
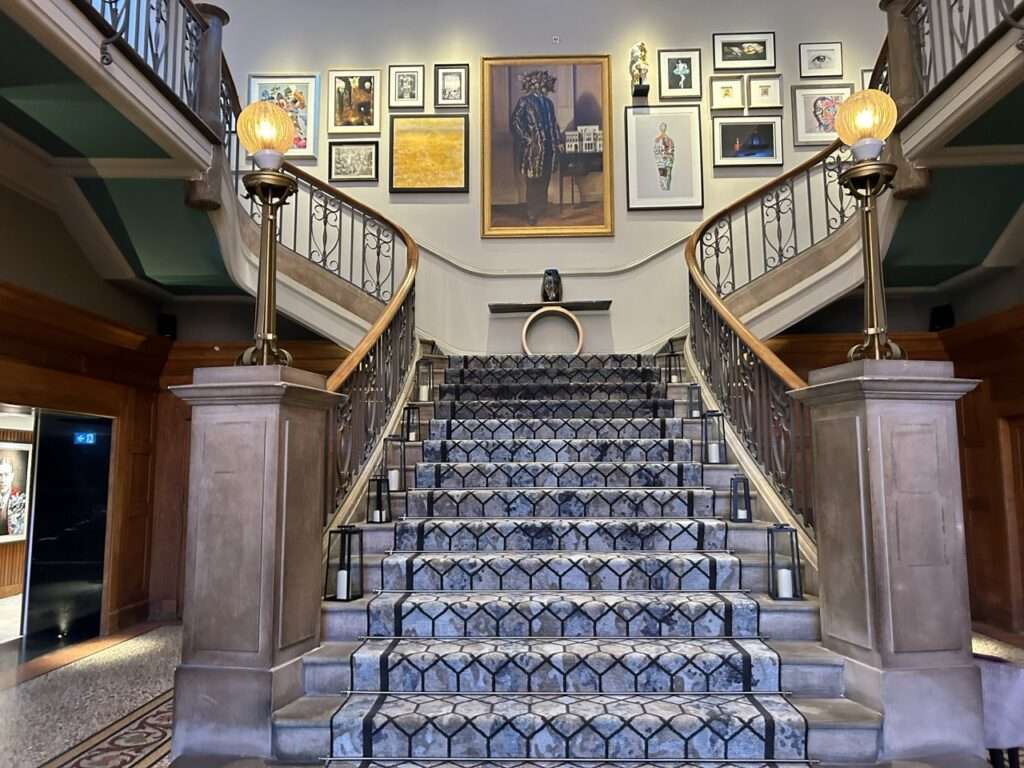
<point x="429" y="153"/>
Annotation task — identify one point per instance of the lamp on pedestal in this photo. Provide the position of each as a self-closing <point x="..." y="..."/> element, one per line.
<point x="864" y="122"/>
<point x="266" y="131"/>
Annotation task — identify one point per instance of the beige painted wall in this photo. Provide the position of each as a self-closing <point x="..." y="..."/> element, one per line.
<point x="39" y="254"/>
<point x="641" y="267"/>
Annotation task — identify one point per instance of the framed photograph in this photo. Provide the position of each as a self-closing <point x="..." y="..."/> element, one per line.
<point x="353" y="102"/>
<point x="429" y="153"/>
<point x="354" y="161"/>
<point x="15" y="468"/>
<point x="547" y="147"/>
<point x="821" y="59"/>
<point x="751" y="50"/>
<point x="679" y="73"/>
<point x="406" y="91"/>
<point x="865" y="78"/>
<point x="451" y="86"/>
<point x="726" y="91"/>
<point x="664" y="164"/>
<point x="764" y="91"/>
<point x="814" y="112"/>
<point x="298" y="95"/>
<point x="741" y="141"/>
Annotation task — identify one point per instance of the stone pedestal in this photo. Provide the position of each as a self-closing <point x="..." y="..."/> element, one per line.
<point x="891" y="554"/>
<point x="258" y="492"/>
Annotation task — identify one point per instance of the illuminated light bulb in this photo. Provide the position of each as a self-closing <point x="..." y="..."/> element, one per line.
<point x="864" y="121"/>
<point x="267" y="132"/>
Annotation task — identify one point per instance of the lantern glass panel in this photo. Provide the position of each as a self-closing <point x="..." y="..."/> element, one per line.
<point x="378" y="500"/>
<point x="425" y="381"/>
<point x="394" y="453"/>
<point x="411" y="423"/>
<point x="784" y="577"/>
<point x="713" y="437"/>
<point x="694" y="406"/>
<point x="343" y="578"/>
<point x="740" y="511"/>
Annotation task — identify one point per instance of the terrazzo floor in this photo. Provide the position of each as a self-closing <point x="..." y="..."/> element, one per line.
<point x="47" y="715"/>
<point x="10" y="617"/>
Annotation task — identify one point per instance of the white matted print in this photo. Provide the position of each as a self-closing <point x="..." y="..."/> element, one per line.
<point x="353" y="103"/>
<point x="451" y="85"/>
<point x="865" y="78"/>
<point x="821" y="59"/>
<point x="298" y="95"/>
<point x="764" y="91"/>
<point x="814" y="112"/>
<point x="748" y="141"/>
<point x="15" y="469"/>
<point x="354" y="161"/>
<point x="726" y="91"/>
<point x="664" y="164"/>
<point x="407" y="85"/>
<point x="679" y="73"/>
<point x="747" y="50"/>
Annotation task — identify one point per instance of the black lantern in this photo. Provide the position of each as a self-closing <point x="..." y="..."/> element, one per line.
<point x="343" y="580"/>
<point x="739" y="504"/>
<point x="784" y="582"/>
<point x="694" y="405"/>
<point x="378" y="500"/>
<point x="712" y="435"/>
<point x="411" y="423"/>
<point x="394" y="447"/>
<point x="675" y="368"/>
<point x="425" y="381"/>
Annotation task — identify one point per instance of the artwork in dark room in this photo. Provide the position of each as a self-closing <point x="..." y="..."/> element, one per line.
<point x="748" y="141"/>
<point x="547" y="167"/>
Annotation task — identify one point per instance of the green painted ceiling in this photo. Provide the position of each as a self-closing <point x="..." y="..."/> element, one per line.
<point x="164" y="240"/>
<point x="955" y="226"/>
<point x="999" y="125"/>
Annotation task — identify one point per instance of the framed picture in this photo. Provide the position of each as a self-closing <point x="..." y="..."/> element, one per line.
<point x="451" y="86"/>
<point x="15" y="466"/>
<point x="764" y="91"/>
<point x="748" y="140"/>
<point x="429" y="153"/>
<point x="547" y="146"/>
<point x="298" y="95"/>
<point x="679" y="73"/>
<point x="751" y="50"/>
<point x="726" y="91"/>
<point x="353" y="101"/>
<point x="407" y="85"/>
<point x="865" y="78"/>
<point x="664" y="164"/>
<point x="814" y="112"/>
<point x="821" y="59"/>
<point x="354" y="161"/>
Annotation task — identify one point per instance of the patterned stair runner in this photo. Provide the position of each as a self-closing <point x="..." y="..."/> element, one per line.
<point x="561" y="592"/>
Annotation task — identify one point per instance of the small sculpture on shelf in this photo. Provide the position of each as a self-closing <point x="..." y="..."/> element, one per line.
<point x="638" y="69"/>
<point x="551" y="288"/>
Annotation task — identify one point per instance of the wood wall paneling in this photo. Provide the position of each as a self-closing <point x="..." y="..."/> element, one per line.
<point x="12" y="567"/>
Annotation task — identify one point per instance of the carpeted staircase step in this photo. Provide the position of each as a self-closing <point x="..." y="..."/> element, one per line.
<point x="558" y="362"/>
<point x="405" y="762"/>
<point x="575" y="390"/>
<point x="579" y="571"/>
<point x="549" y="375"/>
<point x="571" y="665"/>
<point x="555" y="409"/>
<point x="677" y="474"/>
<point x="557" y="450"/>
<point x="646" y="428"/>
<point x="591" y="726"/>
<point x="555" y="533"/>
<point x="562" y="502"/>
<point x="563" y="614"/>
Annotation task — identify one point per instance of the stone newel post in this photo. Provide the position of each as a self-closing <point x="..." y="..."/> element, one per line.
<point x="893" y="571"/>
<point x="258" y="490"/>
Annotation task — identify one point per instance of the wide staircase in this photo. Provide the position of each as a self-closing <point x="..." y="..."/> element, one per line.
<point x="561" y="586"/>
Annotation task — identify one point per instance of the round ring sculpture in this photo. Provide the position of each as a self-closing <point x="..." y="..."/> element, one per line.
<point x="560" y="311"/>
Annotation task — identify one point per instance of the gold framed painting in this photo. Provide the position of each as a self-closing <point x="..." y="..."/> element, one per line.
<point x="547" y="147"/>
<point x="429" y="153"/>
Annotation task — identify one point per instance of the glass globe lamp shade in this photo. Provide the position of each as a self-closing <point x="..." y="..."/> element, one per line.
<point x="266" y="131"/>
<point x="864" y="121"/>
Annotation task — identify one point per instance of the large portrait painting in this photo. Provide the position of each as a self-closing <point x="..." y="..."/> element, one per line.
<point x="430" y="153"/>
<point x="296" y="95"/>
<point x="664" y="166"/>
<point x="15" y="466"/>
<point x="547" y="162"/>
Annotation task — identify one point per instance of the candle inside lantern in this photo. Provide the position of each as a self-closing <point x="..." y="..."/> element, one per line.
<point x="424" y="393"/>
<point x="412" y="435"/>
<point x="376" y="516"/>
<point x="695" y="413"/>
<point x="674" y="379"/>
<point x="393" y="479"/>
<point x="784" y="583"/>
<point x="742" y="514"/>
<point x="714" y="453"/>
<point x="341" y="589"/>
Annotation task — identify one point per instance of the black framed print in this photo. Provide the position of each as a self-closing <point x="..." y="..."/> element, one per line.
<point x="821" y="59"/>
<point x="865" y="78"/>
<point x="406" y="86"/>
<point x="744" y="50"/>
<point x="451" y="86"/>
<point x="743" y="141"/>
<point x="664" y="161"/>
<point x="679" y="73"/>
<point x="354" y="161"/>
<point x="429" y="153"/>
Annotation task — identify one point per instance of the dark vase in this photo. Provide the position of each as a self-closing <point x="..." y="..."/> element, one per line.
<point x="551" y="288"/>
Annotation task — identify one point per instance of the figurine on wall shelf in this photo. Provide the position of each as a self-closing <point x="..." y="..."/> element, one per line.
<point x="638" y="69"/>
<point x="551" y="288"/>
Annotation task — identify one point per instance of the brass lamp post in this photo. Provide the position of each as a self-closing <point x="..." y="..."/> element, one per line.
<point x="266" y="131"/>
<point x="864" y="122"/>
